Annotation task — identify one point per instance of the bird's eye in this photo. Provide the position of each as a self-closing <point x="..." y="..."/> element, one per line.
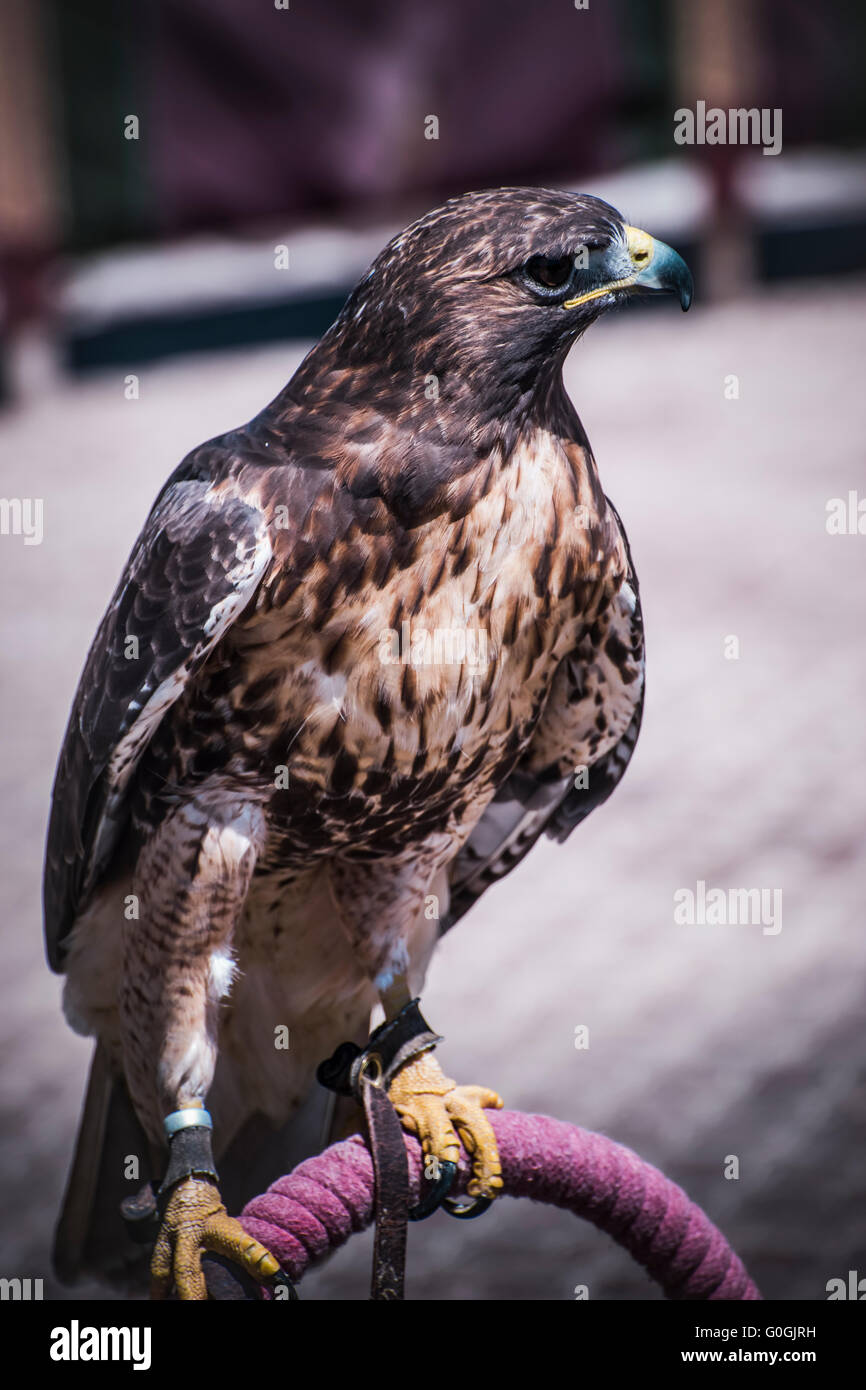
<point x="549" y="272"/>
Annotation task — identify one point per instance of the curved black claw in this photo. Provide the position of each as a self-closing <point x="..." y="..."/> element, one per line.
<point x="476" y="1207"/>
<point x="440" y="1188"/>
<point x="230" y="1282"/>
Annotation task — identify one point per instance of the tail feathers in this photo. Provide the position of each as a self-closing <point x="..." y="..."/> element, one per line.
<point x="92" y="1238"/>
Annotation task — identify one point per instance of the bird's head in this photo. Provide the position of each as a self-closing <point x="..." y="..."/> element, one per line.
<point x="492" y="288"/>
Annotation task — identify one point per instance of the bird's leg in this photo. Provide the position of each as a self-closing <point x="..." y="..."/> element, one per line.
<point x="438" y="1112"/>
<point x="382" y="907"/>
<point x="195" y="1219"/>
<point x="191" y="880"/>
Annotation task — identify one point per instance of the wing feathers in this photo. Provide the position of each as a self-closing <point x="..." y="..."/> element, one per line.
<point x="592" y="720"/>
<point x="193" y="570"/>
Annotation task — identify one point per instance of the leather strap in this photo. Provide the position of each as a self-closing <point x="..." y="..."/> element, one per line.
<point x="393" y="1044"/>
<point x="365" y="1073"/>
<point x="391" y="1202"/>
<point x="189" y="1153"/>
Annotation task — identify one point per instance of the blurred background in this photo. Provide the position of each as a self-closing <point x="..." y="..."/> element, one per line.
<point x="188" y="190"/>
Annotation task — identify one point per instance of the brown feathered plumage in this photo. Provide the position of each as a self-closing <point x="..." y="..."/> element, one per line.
<point x="272" y="770"/>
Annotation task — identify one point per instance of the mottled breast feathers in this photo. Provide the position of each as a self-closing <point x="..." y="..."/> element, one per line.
<point x="423" y="472"/>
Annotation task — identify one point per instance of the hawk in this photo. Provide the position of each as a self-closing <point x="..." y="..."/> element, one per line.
<point x="366" y="650"/>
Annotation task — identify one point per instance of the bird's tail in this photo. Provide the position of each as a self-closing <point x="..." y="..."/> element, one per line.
<point x="112" y="1161"/>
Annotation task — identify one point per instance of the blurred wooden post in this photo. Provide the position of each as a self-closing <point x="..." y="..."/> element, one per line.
<point x="29" y="193"/>
<point x="716" y="61"/>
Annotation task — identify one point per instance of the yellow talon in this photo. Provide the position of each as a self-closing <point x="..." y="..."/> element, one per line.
<point x="437" y="1110"/>
<point x="196" y="1221"/>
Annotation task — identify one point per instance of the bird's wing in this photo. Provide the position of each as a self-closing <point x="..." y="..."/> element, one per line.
<point x="572" y="764"/>
<point x="192" y="571"/>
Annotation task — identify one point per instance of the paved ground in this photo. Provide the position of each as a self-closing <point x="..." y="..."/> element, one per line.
<point x="705" y="1041"/>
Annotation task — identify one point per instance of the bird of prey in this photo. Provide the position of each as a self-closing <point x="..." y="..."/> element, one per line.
<point x="366" y="650"/>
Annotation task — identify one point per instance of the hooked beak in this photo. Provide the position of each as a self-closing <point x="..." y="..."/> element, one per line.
<point x="658" y="266"/>
<point x="643" y="263"/>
